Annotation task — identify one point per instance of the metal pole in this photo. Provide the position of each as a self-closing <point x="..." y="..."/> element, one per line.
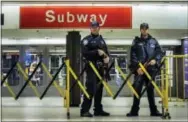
<point x="177" y="96"/>
<point x="68" y="88"/>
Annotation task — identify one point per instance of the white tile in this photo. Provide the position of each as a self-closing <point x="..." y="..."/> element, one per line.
<point x="50" y="109"/>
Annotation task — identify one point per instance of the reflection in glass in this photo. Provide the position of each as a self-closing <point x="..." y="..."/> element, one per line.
<point x="37" y="77"/>
<point x="54" y="61"/>
<point x="54" y="64"/>
<point x="8" y="59"/>
<point x="31" y="58"/>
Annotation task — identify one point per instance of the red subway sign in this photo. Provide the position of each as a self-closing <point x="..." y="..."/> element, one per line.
<point x="74" y="17"/>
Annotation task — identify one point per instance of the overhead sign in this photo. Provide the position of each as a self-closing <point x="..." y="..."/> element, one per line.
<point x="118" y="16"/>
<point x="75" y="16"/>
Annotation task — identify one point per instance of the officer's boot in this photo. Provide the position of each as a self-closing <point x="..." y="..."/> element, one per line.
<point x="85" y="114"/>
<point x="154" y="111"/>
<point x="101" y="113"/>
<point x="133" y="112"/>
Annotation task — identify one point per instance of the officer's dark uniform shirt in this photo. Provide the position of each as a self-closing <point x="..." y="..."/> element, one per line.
<point x="90" y="45"/>
<point x="144" y="49"/>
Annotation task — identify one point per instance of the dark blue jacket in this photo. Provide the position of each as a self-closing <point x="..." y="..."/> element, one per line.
<point x="90" y="45"/>
<point x="143" y="50"/>
<point x="89" y="48"/>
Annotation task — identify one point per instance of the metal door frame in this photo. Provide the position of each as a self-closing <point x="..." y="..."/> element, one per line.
<point x="28" y="92"/>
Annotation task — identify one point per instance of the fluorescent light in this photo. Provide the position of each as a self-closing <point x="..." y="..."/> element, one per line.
<point x="169" y="42"/>
<point x="10" y="51"/>
<point x="96" y="4"/>
<point x="186" y="37"/>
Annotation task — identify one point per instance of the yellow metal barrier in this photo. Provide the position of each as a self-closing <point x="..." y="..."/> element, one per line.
<point x="128" y="82"/>
<point x="67" y="62"/>
<point x="152" y="82"/>
<point x="109" y="91"/>
<point x="165" y="86"/>
<point x="162" y="83"/>
<point x="79" y="83"/>
<point x="177" y="56"/>
<point x="67" y="91"/>
<point x="9" y="88"/>
<point x="64" y="93"/>
<point x="26" y="77"/>
<point x="176" y="99"/>
<point x="55" y="82"/>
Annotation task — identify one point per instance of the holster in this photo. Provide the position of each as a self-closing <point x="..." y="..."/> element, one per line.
<point x="103" y="70"/>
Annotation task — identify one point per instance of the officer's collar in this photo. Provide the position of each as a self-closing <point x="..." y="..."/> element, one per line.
<point x="94" y="36"/>
<point x="148" y="37"/>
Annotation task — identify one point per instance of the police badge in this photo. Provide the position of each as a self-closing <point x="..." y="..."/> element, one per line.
<point x="152" y="45"/>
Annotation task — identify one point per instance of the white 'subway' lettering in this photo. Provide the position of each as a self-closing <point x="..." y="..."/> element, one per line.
<point x="51" y="16"/>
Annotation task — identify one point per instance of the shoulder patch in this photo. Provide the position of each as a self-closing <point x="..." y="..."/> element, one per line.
<point x="153" y="40"/>
<point x="134" y="41"/>
<point x="152" y="45"/>
<point x="85" y="41"/>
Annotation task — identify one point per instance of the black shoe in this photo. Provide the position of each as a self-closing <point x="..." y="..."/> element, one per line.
<point x="157" y="113"/>
<point x="132" y="114"/>
<point x="101" y="113"/>
<point x="86" y="114"/>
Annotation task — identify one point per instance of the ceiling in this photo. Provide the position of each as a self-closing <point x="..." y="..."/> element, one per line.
<point x="93" y="1"/>
<point x="107" y="33"/>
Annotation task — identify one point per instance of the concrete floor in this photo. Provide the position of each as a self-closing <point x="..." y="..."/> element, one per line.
<point x="51" y="109"/>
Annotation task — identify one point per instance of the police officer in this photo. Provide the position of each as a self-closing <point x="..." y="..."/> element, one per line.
<point x="94" y="49"/>
<point x="144" y="49"/>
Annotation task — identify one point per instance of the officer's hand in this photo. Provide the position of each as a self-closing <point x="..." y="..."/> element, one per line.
<point x="101" y="52"/>
<point x="139" y="71"/>
<point x="152" y="62"/>
<point x="106" y="60"/>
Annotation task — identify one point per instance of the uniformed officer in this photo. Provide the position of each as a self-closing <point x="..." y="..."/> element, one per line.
<point x="143" y="49"/>
<point x="94" y="49"/>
